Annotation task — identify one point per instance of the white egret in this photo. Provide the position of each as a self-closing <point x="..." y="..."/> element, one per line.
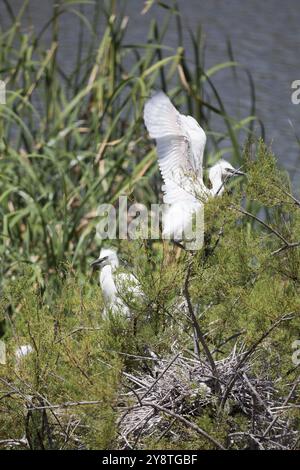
<point x="180" y="143"/>
<point x="116" y="285"/>
<point x="23" y="351"/>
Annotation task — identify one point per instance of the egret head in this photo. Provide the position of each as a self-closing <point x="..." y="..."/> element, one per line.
<point x="107" y="256"/>
<point x="219" y="173"/>
<point x="223" y="170"/>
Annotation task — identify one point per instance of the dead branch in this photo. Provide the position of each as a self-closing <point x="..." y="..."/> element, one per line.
<point x="187" y="423"/>
<point x="199" y="333"/>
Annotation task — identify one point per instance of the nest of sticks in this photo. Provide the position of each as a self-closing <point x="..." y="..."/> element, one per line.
<point x="182" y="388"/>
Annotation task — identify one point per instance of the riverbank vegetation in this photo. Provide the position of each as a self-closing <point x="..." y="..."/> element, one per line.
<point x="72" y="141"/>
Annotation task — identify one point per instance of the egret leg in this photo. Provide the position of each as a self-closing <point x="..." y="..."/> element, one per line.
<point x="179" y="244"/>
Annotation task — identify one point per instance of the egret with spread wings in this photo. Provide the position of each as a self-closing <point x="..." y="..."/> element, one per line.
<point x="180" y="143"/>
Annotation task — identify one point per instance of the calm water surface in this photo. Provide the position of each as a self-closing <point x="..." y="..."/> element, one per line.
<point x="265" y="37"/>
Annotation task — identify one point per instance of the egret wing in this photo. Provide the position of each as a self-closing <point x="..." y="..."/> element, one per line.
<point x="180" y="144"/>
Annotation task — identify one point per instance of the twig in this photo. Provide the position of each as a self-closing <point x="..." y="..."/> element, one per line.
<point x="76" y="330"/>
<point x="159" y="377"/>
<point x="197" y="328"/>
<point x="296" y="201"/>
<point x="187" y="422"/>
<point x="67" y="404"/>
<point x="14" y="442"/>
<point x="135" y="356"/>
<point x="235" y="335"/>
<point x="285" y="247"/>
<point x="142" y="428"/>
<point x="271" y="229"/>
<point x="166" y="431"/>
<point x="247" y="355"/>
<point x="297" y="381"/>
<point x="257" y="396"/>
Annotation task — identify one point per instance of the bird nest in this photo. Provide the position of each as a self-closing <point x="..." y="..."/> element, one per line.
<point x="181" y="389"/>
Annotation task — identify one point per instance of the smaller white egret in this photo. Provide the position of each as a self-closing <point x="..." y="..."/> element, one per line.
<point x="21" y="353"/>
<point x="116" y="285"/>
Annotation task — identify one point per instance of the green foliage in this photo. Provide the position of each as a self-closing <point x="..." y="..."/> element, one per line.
<point x="70" y="141"/>
<point x="268" y="191"/>
<point x="86" y="145"/>
<point x="74" y="359"/>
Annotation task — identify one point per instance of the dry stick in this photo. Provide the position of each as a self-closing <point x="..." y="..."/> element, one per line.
<point x="248" y="354"/>
<point x="287" y="245"/>
<point x="297" y="381"/>
<point x="14" y="442"/>
<point x="76" y="330"/>
<point x="134" y="379"/>
<point x="196" y="344"/>
<point x="198" y="330"/>
<point x="271" y="229"/>
<point x="296" y="201"/>
<point x="166" y="431"/>
<point x="126" y="441"/>
<point x="135" y="356"/>
<point x="66" y="405"/>
<point x="284" y="407"/>
<point x="159" y="377"/>
<point x="235" y="335"/>
<point x="187" y="422"/>
<point x="248" y="435"/>
<point x="256" y="394"/>
<point x="142" y="428"/>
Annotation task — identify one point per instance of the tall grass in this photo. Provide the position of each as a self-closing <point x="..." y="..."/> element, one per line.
<point x="70" y="141"/>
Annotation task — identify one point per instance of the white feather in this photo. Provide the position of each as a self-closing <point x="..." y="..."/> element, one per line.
<point x="180" y="143"/>
<point x="117" y="287"/>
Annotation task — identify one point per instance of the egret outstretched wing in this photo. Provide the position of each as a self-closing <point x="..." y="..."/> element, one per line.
<point x="180" y="145"/>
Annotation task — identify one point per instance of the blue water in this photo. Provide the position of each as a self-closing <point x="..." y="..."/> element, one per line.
<point x="265" y="37"/>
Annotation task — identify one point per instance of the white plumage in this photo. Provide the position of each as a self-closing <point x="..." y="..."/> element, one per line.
<point x="21" y="352"/>
<point x="180" y="143"/>
<point x="116" y="285"/>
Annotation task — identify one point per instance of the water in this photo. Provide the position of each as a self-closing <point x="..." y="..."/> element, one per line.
<point x="265" y="37"/>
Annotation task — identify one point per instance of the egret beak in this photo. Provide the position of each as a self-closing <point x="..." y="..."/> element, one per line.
<point x="236" y="172"/>
<point x="97" y="263"/>
<point x="239" y="173"/>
